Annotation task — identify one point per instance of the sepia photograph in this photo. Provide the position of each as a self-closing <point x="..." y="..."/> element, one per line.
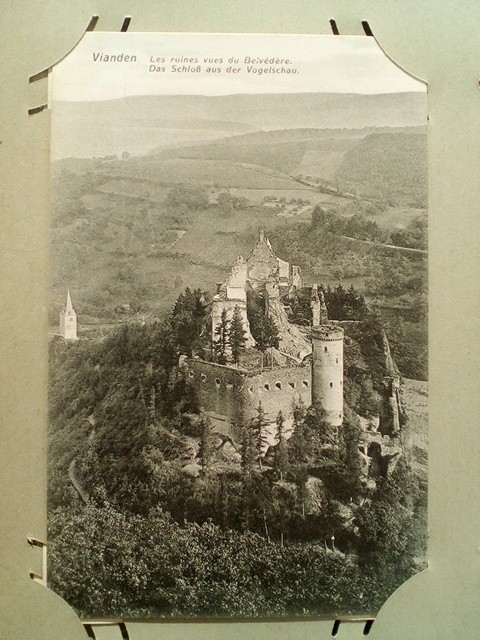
<point x="238" y="379"/>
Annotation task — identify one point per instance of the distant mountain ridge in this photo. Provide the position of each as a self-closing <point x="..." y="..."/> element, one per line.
<point x="139" y="124"/>
<point x="278" y="136"/>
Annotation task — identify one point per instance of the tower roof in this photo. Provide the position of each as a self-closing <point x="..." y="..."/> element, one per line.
<point x="68" y="306"/>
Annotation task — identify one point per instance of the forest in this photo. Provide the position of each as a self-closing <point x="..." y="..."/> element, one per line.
<point x="298" y="531"/>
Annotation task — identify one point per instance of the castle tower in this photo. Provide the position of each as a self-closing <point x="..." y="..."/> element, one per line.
<point x="327" y="371"/>
<point x="318" y="307"/>
<point x="323" y="308"/>
<point x="68" y="320"/>
<point x="296" y="278"/>
<point x="315" y="306"/>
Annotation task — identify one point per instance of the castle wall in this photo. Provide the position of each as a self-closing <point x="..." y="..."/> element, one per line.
<point x="236" y="393"/>
<point x="292" y="341"/>
<point x="315" y="306"/>
<point x="283" y="272"/>
<point x="236" y="281"/>
<point x="296" y="277"/>
<point x="219" y="388"/>
<point x="278" y="389"/>
<point x="262" y="265"/>
<point x="327" y="371"/>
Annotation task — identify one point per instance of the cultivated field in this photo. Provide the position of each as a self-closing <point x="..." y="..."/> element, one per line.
<point x="323" y="158"/>
<point x="204" y="171"/>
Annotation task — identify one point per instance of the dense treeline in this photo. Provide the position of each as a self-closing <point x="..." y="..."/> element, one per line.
<point x="144" y="566"/>
<point x="342" y="304"/>
<point x="108" y="562"/>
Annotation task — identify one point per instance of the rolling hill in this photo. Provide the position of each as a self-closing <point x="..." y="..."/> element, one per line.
<point x="203" y="171"/>
<point x="137" y="124"/>
<point x="392" y="166"/>
<point x="320" y="153"/>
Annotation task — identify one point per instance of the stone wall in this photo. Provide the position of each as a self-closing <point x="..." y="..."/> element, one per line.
<point x="262" y="265"/>
<point x="278" y="389"/>
<point x="291" y="340"/>
<point x="219" y="388"/>
<point x="236" y="393"/>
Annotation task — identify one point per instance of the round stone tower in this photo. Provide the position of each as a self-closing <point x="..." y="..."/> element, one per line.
<point x="327" y="371"/>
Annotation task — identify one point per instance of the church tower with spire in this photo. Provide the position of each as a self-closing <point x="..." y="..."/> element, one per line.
<point x="68" y="320"/>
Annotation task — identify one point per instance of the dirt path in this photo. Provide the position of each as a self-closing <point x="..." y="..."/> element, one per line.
<point x="387" y="246"/>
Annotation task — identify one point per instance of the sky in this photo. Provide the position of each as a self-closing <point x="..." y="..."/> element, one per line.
<point x="339" y="64"/>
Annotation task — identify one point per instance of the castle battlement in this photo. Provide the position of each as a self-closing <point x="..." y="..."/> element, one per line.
<point x="327" y="333"/>
<point x="235" y="393"/>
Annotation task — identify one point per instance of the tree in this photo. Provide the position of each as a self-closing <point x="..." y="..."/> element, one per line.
<point x="187" y="198"/>
<point x="230" y="202"/>
<point x="264" y="332"/>
<point x="281" y="450"/>
<point x="249" y="450"/>
<point x="207" y="444"/>
<point x="319" y="217"/>
<point x="222" y="337"/>
<point x="389" y="535"/>
<point x="258" y="425"/>
<point x="282" y="505"/>
<point x="298" y="445"/>
<point x="187" y="318"/>
<point x="236" y="335"/>
<point x="249" y="455"/>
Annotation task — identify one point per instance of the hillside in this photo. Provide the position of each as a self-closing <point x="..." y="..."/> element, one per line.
<point x="117" y="239"/>
<point x="203" y="171"/>
<point x="138" y="124"/>
<point x="388" y="165"/>
<point x="288" y="150"/>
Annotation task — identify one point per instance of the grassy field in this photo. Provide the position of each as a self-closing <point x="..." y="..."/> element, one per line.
<point x="397" y="217"/>
<point x="324" y="157"/>
<point x="202" y="171"/>
<point x="132" y="188"/>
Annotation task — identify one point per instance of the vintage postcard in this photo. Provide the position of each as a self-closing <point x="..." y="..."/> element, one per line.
<point x="238" y="330"/>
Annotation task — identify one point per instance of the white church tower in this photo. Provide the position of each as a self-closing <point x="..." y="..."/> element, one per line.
<point x="68" y="320"/>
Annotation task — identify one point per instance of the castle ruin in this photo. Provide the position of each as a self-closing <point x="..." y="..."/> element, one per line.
<point x="307" y="366"/>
